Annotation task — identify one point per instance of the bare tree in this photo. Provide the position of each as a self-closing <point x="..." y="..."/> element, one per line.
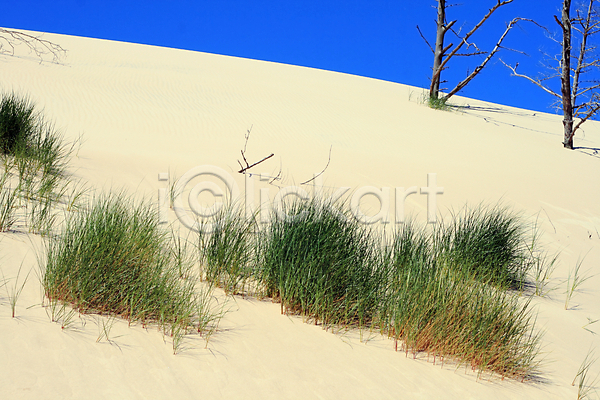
<point x="579" y="98"/>
<point x="442" y="53"/>
<point x="10" y="39"/>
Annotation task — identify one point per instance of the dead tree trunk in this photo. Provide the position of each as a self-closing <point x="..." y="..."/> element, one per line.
<point x="579" y="98"/>
<point x="565" y="77"/>
<point x="439" y="52"/>
<point x="442" y="54"/>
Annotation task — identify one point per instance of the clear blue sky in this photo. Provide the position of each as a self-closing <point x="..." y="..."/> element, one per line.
<point x="373" y="38"/>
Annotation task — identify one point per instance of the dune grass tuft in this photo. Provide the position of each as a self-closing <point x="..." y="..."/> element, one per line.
<point x="321" y="264"/>
<point x="19" y="123"/>
<point x="437" y="103"/>
<point x="36" y="155"/>
<point x="442" y="292"/>
<point x="489" y="243"/>
<point x="431" y="306"/>
<point x="113" y="258"/>
<point x="36" y="146"/>
<point x="227" y="253"/>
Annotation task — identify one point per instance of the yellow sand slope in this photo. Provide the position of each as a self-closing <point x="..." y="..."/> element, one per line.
<point x="144" y="110"/>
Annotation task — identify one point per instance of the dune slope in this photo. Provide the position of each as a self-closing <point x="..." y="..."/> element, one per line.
<point x="144" y="110"/>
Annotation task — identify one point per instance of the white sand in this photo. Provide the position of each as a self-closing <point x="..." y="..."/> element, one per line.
<point x="143" y="110"/>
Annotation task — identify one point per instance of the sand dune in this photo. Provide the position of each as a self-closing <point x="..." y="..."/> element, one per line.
<point x="143" y="110"/>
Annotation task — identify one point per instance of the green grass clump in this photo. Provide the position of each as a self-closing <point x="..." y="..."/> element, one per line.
<point x="430" y="306"/>
<point x="442" y="292"/>
<point x="227" y="253"/>
<point x="320" y="263"/>
<point x="113" y="258"/>
<point x="33" y="142"/>
<point x="19" y="123"/>
<point x="489" y="243"/>
<point x="437" y="103"/>
<point x="35" y="155"/>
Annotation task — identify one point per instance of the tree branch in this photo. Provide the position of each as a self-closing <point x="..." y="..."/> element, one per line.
<point x="40" y="47"/>
<point x="582" y="51"/>
<point x="591" y="113"/>
<point x="534" y="81"/>
<point x="243" y="170"/>
<point x="469" y="34"/>
<point x="477" y="53"/>
<point x="320" y="173"/>
<point x="478" y="69"/>
<point x="423" y="37"/>
<point x="247" y="167"/>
